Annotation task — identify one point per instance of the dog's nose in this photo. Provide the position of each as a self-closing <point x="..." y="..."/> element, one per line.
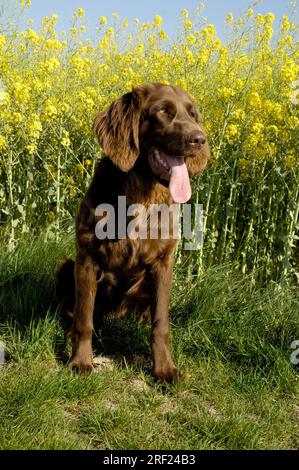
<point x="196" y="138"/>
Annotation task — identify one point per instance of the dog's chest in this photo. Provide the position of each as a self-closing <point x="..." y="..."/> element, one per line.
<point x="125" y="265"/>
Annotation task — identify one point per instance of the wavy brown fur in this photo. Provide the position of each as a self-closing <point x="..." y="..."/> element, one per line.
<point x="124" y="274"/>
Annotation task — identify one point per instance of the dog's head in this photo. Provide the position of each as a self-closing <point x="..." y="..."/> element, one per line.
<point x="160" y="126"/>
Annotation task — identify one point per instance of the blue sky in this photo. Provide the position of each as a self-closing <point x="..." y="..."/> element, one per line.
<point x="215" y="10"/>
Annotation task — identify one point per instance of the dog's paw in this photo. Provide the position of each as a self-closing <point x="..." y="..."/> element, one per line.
<point x="82" y="367"/>
<point x="168" y="374"/>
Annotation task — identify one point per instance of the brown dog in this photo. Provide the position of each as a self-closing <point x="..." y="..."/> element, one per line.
<point x="153" y="139"/>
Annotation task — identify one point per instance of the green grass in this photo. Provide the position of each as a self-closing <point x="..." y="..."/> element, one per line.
<point x="232" y="339"/>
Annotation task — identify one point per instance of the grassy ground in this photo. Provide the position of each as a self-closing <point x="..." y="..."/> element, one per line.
<point x="240" y="390"/>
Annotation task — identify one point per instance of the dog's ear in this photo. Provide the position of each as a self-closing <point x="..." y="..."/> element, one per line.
<point x="117" y="130"/>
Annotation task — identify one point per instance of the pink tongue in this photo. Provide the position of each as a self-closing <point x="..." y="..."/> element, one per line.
<point x="179" y="185"/>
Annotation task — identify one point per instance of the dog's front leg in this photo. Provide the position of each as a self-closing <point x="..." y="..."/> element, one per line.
<point x="163" y="366"/>
<point x="81" y="332"/>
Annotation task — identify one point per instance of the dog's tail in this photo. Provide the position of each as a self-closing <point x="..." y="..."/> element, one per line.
<point x="65" y="286"/>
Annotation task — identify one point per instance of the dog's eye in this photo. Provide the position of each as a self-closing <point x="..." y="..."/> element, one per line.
<point x="192" y="114"/>
<point x="166" y="112"/>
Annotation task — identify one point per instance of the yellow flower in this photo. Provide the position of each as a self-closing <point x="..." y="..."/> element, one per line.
<point x="239" y="114"/>
<point x="52" y="64"/>
<point x="182" y="83"/>
<point x="290" y="71"/>
<point x="229" y="18"/>
<point x="34" y="127"/>
<point x="273" y="108"/>
<point x="226" y="93"/>
<point x="257" y="127"/>
<point x="163" y="35"/>
<point x="31" y="35"/>
<point x="273" y="130"/>
<point x="16" y="118"/>
<point x="65" y="141"/>
<point x="260" y="19"/>
<point x="254" y="100"/>
<point x="188" y="25"/>
<point x="3" y="142"/>
<point x="189" y="57"/>
<point x="80" y="168"/>
<point x="243" y="163"/>
<point x="158" y="21"/>
<point x="184" y="13"/>
<point x="53" y="44"/>
<point x="74" y="32"/>
<point x="31" y="148"/>
<point x="50" y="109"/>
<point x="232" y="132"/>
<point x="89" y="103"/>
<point x="191" y="39"/>
<point x="216" y="45"/>
<point x="21" y="92"/>
<point x="25" y="3"/>
<point x="270" y="17"/>
<point x="3" y="95"/>
<point x="239" y="84"/>
<point x="211" y="30"/>
<point x="3" y="40"/>
<point x="103" y="20"/>
<point x="292" y="122"/>
<point x="290" y="161"/>
<point x="80" y="12"/>
<point x="64" y="107"/>
<point x="285" y="25"/>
